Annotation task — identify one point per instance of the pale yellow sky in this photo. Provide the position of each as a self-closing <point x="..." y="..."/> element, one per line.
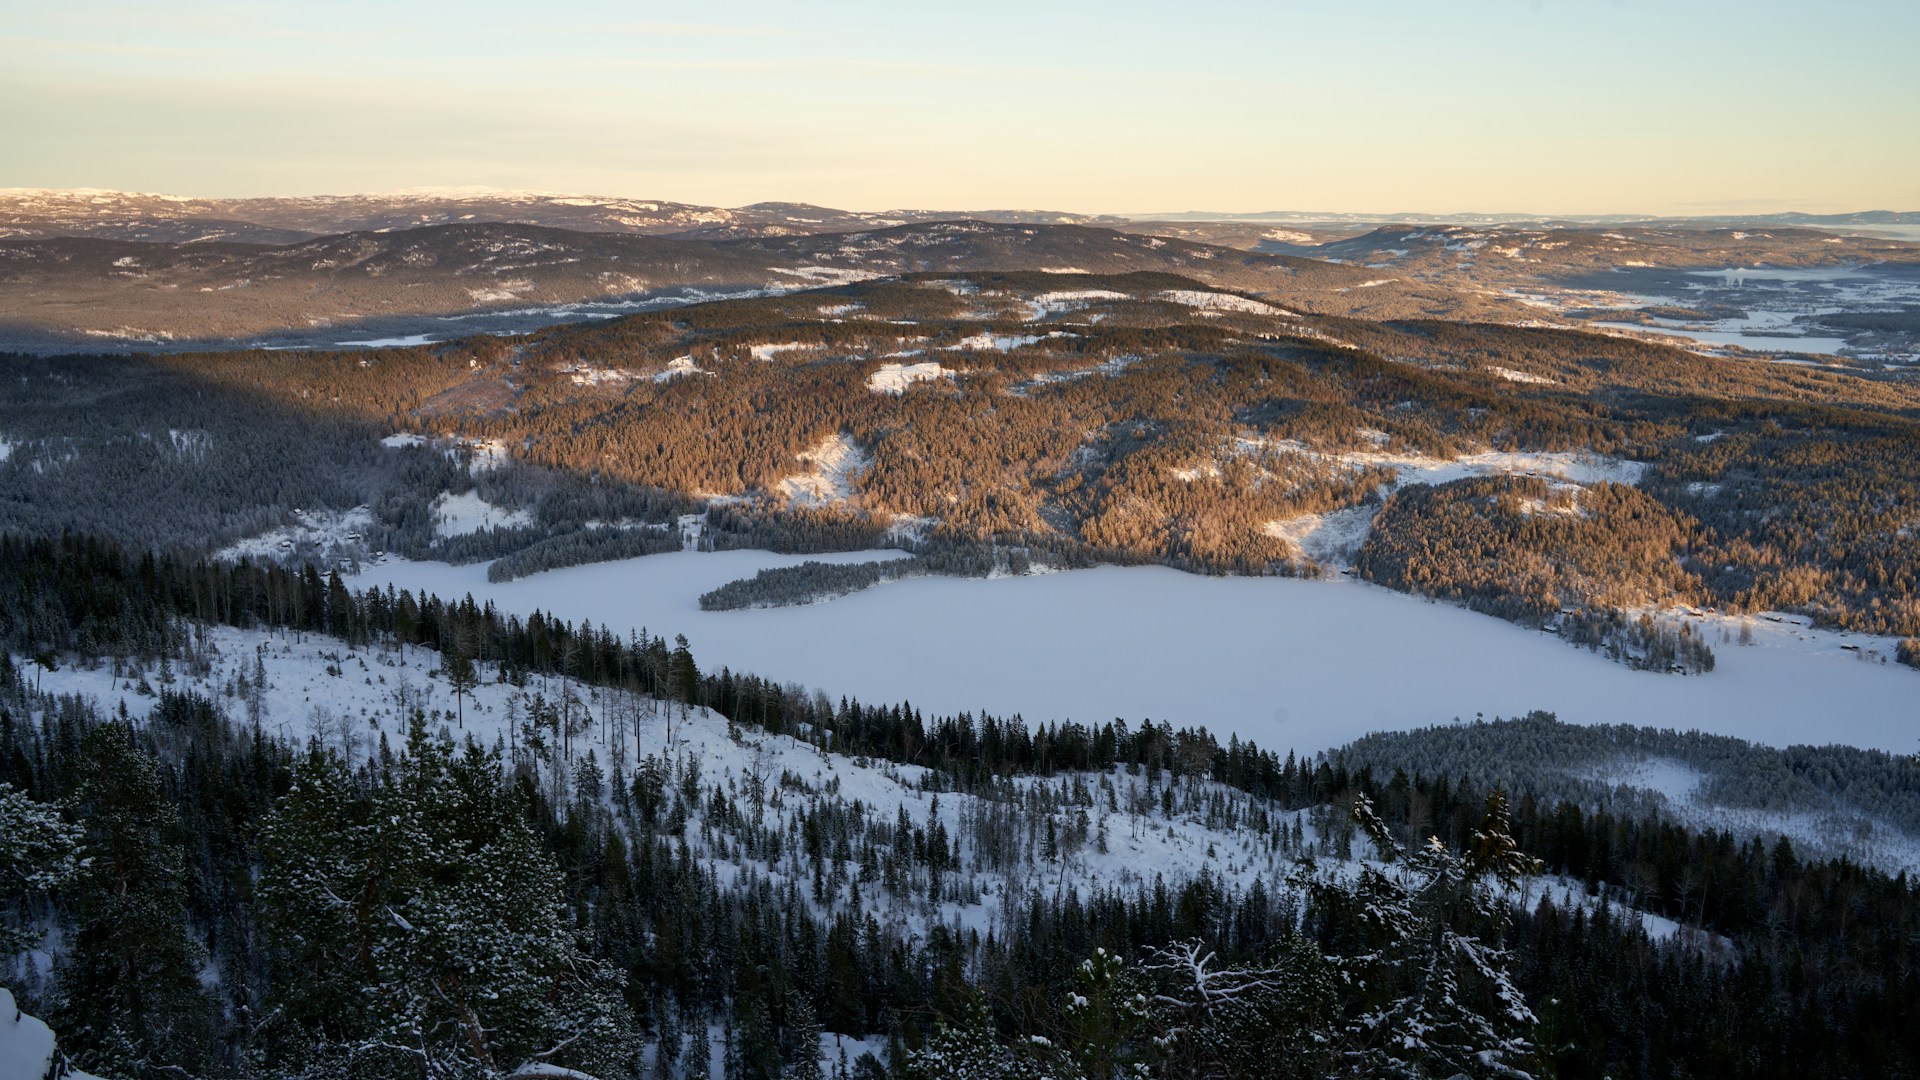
<point x="1370" y="106"/>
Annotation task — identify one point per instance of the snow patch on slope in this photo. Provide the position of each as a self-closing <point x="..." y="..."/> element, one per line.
<point x="835" y="463"/>
<point x="1216" y="301"/>
<point x="895" y="378"/>
<point x="1514" y="375"/>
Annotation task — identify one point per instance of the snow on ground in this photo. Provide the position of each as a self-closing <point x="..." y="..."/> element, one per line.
<point x="459" y="515"/>
<point x="834" y="464"/>
<point x="1840" y="831"/>
<point x="407" y="341"/>
<point x="1061" y="302"/>
<point x="1332" y="539"/>
<point x="1214" y="301"/>
<point x="1577" y="467"/>
<point x="488" y="454"/>
<point x="485" y="454"/>
<point x="326" y="534"/>
<point x="588" y="375"/>
<point x="1001" y="342"/>
<point x="1043" y="378"/>
<point x="319" y="688"/>
<point x="678" y="366"/>
<point x="954" y="286"/>
<point x="768" y="352"/>
<point x="1513" y="375"/>
<point x="910" y="527"/>
<point x="895" y="378"/>
<point x="1291" y="663"/>
<point x="26" y="1044"/>
<point x="821" y="276"/>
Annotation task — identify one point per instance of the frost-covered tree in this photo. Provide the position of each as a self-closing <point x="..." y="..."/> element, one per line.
<point x="1423" y="932"/>
<point x="429" y="928"/>
<point x="38" y="851"/>
<point x="972" y="1050"/>
<point x="1268" y="1020"/>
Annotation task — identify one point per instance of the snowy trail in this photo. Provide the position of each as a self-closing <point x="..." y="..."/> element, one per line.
<point x="1306" y="665"/>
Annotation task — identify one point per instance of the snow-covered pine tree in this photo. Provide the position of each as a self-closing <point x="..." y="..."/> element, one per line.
<point x="38" y="851"/>
<point x="430" y="928"/>
<point x="1423" y="936"/>
<point x="129" y="990"/>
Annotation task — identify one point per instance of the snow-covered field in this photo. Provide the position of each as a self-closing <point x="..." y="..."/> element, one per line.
<point x="1291" y="663"/>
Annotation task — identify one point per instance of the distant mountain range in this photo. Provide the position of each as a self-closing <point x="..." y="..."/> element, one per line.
<point x="121" y="215"/>
<point x="106" y="268"/>
<point x="39" y="213"/>
<point x="456" y="279"/>
<point x="1863" y="217"/>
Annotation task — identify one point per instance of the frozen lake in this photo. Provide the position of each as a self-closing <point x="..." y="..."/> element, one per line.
<point x="1293" y="664"/>
<point x="1755" y="342"/>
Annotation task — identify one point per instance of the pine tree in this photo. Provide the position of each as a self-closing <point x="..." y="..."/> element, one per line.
<point x="461" y="679"/>
<point x="1428" y="929"/>
<point x="38" y="851"/>
<point x="438" y="922"/>
<point x="129" y="999"/>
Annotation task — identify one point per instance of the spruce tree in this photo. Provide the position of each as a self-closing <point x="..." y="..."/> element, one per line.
<point x="129" y="998"/>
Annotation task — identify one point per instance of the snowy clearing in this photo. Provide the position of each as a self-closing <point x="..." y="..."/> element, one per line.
<point x="819" y="276"/>
<point x="1059" y="303"/>
<point x="895" y="378"/>
<point x="677" y="367"/>
<point x="1332" y="539"/>
<point x="460" y="515"/>
<point x="835" y="463"/>
<point x="768" y="352"/>
<point x="1513" y="375"/>
<point x="327" y="535"/>
<point x="1002" y="342"/>
<point x="1214" y="301"/>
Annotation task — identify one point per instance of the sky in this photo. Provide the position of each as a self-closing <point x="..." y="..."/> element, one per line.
<point x="1532" y="106"/>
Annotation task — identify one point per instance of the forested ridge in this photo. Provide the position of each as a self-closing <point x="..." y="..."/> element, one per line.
<point x="1068" y="418"/>
<point x="1798" y="967"/>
